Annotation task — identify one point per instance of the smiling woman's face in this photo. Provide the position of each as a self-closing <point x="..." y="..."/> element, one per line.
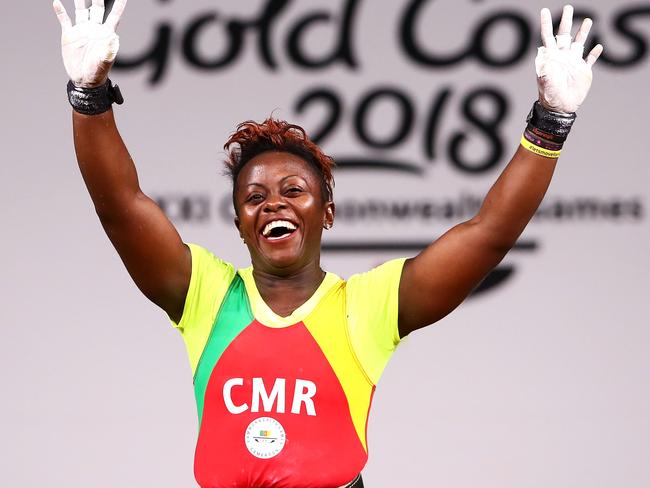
<point x="281" y="212"/>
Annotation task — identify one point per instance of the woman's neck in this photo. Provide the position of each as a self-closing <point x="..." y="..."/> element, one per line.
<point x="284" y="294"/>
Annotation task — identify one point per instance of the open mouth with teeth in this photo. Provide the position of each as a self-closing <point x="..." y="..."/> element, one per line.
<point x="278" y="229"/>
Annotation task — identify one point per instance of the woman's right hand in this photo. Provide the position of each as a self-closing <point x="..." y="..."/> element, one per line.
<point x="90" y="46"/>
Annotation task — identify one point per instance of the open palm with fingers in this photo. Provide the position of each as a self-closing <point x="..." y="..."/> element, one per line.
<point x="89" y="47"/>
<point x="563" y="74"/>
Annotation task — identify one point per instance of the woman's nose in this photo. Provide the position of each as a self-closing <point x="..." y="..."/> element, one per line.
<point x="274" y="203"/>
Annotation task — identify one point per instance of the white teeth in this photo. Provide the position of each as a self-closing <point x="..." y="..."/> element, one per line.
<point x="277" y="223"/>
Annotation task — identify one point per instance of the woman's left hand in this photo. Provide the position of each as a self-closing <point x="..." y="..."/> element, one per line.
<point x="563" y="75"/>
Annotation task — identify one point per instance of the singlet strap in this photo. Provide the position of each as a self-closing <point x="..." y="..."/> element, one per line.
<point x="356" y="483"/>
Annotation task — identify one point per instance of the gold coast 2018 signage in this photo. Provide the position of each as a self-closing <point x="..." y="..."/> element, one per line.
<point x="279" y="37"/>
<point x="262" y="34"/>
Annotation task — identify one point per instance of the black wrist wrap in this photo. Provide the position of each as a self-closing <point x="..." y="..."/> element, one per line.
<point x="94" y="101"/>
<point x="553" y="127"/>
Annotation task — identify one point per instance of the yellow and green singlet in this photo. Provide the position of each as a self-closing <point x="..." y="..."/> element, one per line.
<point x="284" y="401"/>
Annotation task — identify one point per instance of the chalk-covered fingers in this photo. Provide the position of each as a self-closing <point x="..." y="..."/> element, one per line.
<point x="563" y="37"/>
<point x="62" y="15"/>
<point x="116" y="14"/>
<point x="563" y="40"/>
<point x="90" y="12"/>
<point x="581" y="39"/>
<point x="82" y="12"/>
<point x="97" y="12"/>
<point x="90" y="46"/>
<point x="583" y="32"/>
<point x="578" y="45"/>
<point x="548" y="38"/>
<point x="594" y="54"/>
<point x="564" y="76"/>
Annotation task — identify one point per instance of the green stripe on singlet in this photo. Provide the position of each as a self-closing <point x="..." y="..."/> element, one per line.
<point x="233" y="317"/>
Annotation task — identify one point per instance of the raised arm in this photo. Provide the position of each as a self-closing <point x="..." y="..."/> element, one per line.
<point x="436" y="281"/>
<point x="147" y="242"/>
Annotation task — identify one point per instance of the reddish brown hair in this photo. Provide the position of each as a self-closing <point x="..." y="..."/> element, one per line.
<point x="252" y="139"/>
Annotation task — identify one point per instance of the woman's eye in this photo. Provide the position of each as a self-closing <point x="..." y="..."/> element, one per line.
<point x="294" y="189"/>
<point x="255" y="197"/>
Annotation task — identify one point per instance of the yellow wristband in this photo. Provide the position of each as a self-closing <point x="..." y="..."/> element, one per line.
<point x="540" y="151"/>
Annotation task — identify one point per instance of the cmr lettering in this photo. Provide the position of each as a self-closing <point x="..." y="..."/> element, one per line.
<point x="273" y="401"/>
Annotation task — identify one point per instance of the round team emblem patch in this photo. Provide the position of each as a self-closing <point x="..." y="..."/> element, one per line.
<point x="265" y="437"/>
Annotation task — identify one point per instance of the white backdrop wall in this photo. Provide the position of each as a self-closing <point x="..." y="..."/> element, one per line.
<point x="540" y="380"/>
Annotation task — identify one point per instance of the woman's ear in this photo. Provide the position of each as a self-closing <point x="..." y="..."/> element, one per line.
<point x="236" y="220"/>
<point x="330" y="210"/>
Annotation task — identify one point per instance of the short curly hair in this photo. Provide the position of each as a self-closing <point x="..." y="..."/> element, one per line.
<point x="252" y="138"/>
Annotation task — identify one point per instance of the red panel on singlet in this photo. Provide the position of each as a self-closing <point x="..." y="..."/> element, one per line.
<point x="321" y="450"/>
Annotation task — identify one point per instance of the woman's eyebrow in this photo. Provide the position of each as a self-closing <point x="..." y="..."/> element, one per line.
<point x="293" y="176"/>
